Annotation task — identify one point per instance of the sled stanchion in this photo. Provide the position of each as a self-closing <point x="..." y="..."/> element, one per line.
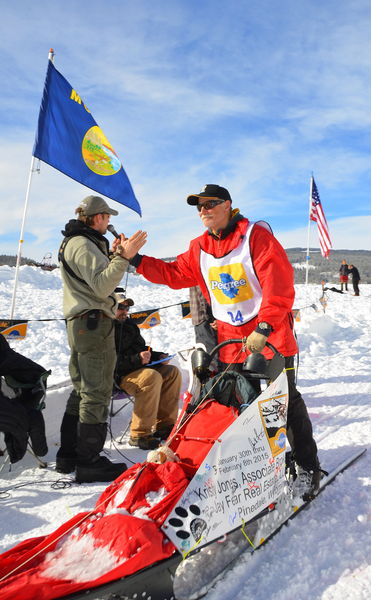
<point x="245" y="534"/>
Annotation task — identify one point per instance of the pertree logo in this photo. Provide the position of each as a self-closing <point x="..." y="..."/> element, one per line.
<point x="229" y="283"/>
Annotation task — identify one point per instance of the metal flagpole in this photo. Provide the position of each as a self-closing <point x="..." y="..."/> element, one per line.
<point x="19" y="254"/>
<point x="308" y="234"/>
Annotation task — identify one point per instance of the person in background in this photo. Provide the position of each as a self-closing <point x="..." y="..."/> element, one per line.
<point x="332" y="289"/>
<point x="203" y="321"/>
<point x="156" y="389"/>
<point x="343" y="275"/>
<point x="352" y="270"/>
<point x="246" y="277"/>
<point x="90" y="273"/>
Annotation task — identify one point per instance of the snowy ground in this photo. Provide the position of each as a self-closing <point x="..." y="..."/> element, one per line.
<point x="325" y="552"/>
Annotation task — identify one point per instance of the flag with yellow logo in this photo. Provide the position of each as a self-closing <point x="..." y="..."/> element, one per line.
<point x="186" y="310"/>
<point x="69" y="139"/>
<point x="13" y="329"/>
<point x="146" y="319"/>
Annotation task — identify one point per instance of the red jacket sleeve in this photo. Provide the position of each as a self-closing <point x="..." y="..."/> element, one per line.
<point x="176" y="275"/>
<point x="275" y="275"/>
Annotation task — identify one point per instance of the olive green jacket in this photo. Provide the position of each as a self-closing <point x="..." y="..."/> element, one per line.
<point x="89" y="260"/>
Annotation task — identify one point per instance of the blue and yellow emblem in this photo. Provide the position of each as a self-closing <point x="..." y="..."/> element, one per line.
<point x="69" y="139"/>
<point x="13" y="329"/>
<point x="230" y="284"/>
<point x="146" y="318"/>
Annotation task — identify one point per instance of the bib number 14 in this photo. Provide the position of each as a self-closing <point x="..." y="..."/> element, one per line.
<point x="237" y="317"/>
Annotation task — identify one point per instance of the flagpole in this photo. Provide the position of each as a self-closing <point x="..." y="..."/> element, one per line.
<point x="19" y="254"/>
<point x="308" y="234"/>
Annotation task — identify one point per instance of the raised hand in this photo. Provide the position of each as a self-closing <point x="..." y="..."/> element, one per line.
<point x="130" y="246"/>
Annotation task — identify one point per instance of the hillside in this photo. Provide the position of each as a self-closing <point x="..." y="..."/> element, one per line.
<point x="11" y="261"/>
<point x="319" y="268"/>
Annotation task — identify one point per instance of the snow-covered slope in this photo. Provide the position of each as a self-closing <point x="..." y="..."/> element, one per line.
<point x="324" y="553"/>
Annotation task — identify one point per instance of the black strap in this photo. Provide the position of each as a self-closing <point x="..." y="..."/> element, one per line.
<point x="64" y="262"/>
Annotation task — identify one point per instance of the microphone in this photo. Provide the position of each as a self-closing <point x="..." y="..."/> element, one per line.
<point x="113" y="231"/>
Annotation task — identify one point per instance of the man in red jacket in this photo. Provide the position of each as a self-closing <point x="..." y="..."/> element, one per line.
<point x="245" y="276"/>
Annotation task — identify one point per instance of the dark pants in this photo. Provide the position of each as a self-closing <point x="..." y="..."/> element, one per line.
<point x="299" y="426"/>
<point x="92" y="362"/>
<point x="205" y="334"/>
<point x="355" y="286"/>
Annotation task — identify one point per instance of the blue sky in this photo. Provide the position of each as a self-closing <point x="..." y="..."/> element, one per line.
<point x="254" y="95"/>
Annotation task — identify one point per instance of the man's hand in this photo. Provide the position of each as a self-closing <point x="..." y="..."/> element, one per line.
<point x="164" y="355"/>
<point x="145" y="357"/>
<point x="131" y="246"/>
<point x="256" y="341"/>
<point x="116" y="244"/>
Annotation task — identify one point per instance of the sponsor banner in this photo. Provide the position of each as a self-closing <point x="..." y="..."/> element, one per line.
<point x="146" y="319"/>
<point x="13" y="329"/>
<point x="296" y="314"/>
<point x="186" y="310"/>
<point x="242" y="474"/>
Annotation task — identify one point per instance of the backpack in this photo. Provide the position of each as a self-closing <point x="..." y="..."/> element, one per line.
<point x="230" y="389"/>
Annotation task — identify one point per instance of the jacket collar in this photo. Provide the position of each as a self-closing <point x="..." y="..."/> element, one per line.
<point x="223" y="233"/>
<point x="75" y="227"/>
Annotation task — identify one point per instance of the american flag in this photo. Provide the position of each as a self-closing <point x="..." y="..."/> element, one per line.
<point x="317" y="214"/>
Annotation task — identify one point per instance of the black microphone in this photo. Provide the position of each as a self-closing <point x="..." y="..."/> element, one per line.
<point x="113" y="231"/>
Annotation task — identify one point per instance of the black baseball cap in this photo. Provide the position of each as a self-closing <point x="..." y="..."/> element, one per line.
<point x="211" y="190"/>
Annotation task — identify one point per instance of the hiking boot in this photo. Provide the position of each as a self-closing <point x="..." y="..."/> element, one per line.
<point x="306" y="484"/>
<point x="162" y="433"/>
<point x="90" y="466"/>
<point x="144" y="442"/>
<point x="65" y="464"/>
<point x="100" y="470"/>
<point x="66" y="455"/>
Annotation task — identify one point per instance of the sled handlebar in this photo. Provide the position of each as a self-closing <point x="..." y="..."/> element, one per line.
<point x="236" y="341"/>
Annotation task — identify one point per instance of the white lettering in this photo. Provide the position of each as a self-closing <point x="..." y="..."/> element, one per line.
<point x="228" y="285"/>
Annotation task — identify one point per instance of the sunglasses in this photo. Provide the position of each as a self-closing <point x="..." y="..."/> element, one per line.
<point x="209" y="204"/>
<point x="123" y="307"/>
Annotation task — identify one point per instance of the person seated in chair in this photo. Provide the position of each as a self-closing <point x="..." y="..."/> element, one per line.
<point x="156" y="389"/>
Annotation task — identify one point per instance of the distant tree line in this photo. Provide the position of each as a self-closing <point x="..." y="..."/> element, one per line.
<point x="319" y="268"/>
<point x="328" y="269"/>
<point x="11" y="261"/>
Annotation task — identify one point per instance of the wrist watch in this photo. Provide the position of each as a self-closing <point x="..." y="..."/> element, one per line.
<point x="264" y="328"/>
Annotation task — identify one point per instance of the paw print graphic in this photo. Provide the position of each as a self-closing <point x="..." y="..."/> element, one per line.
<point x="189" y="522"/>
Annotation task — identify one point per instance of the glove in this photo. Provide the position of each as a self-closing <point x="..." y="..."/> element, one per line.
<point x="256" y="341"/>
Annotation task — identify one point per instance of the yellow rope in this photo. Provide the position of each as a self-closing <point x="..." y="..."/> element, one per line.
<point x="245" y="534"/>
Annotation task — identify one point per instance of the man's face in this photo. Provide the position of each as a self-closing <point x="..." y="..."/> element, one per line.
<point x="218" y="216"/>
<point x="122" y="312"/>
<point x="101" y="222"/>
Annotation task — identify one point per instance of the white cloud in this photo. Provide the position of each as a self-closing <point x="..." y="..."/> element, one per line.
<point x="185" y="102"/>
<point x="350" y="233"/>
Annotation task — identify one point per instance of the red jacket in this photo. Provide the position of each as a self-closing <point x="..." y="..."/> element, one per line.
<point x="272" y="268"/>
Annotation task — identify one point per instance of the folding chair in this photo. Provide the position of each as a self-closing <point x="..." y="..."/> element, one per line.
<point x="119" y="395"/>
<point x="34" y="393"/>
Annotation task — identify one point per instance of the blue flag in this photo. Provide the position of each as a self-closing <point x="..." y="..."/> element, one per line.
<point x="69" y="139"/>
